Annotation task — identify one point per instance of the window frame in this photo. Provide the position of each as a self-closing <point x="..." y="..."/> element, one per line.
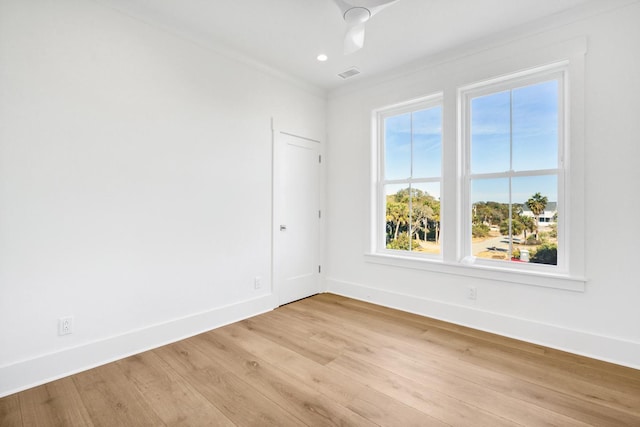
<point x="572" y="53"/>
<point x="556" y="71"/>
<point x="379" y="220"/>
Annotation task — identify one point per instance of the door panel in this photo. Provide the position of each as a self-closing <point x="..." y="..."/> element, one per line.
<point x="296" y="217"/>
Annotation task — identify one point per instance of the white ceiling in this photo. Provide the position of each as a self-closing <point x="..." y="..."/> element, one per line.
<point x="287" y="35"/>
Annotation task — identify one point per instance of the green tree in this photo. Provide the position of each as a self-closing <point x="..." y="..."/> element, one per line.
<point x="403" y="242"/>
<point x="537" y="203"/>
<point x="480" y="230"/>
<point x="489" y="213"/>
<point x="516" y="227"/>
<point x="436" y="220"/>
<point x="397" y="215"/>
<point x="421" y="214"/>
<point x="528" y="224"/>
<point x="423" y="217"/>
<point x="430" y="212"/>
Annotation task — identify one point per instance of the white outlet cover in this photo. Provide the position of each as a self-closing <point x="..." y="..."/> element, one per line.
<point x="65" y="325"/>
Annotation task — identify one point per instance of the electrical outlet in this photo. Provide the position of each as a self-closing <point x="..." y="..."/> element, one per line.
<point x="473" y="292"/>
<point x="257" y="282"/>
<point x="65" y="325"/>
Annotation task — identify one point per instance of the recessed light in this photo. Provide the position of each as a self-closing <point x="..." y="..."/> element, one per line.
<point x="322" y="57"/>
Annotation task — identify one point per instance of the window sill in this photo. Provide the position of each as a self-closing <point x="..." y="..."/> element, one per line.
<point x="547" y="280"/>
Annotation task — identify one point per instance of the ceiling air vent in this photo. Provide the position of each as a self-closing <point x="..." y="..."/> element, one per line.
<point x="353" y="71"/>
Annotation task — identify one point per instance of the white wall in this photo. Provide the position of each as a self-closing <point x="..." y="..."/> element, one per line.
<point x="135" y="186"/>
<point x="603" y="321"/>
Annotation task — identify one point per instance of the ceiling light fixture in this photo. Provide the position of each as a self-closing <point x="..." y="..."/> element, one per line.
<point x="322" y="57"/>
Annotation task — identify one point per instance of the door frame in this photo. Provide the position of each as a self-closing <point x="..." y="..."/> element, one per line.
<point x="278" y="129"/>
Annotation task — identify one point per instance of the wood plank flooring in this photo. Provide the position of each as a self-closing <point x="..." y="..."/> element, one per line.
<point x="329" y="360"/>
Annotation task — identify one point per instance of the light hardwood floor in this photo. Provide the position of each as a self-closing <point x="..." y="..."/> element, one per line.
<point x="329" y="360"/>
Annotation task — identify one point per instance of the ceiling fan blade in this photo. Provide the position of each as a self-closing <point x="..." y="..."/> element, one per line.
<point x="356" y="13"/>
<point x="354" y="38"/>
<point x="373" y="5"/>
<point x="380" y="5"/>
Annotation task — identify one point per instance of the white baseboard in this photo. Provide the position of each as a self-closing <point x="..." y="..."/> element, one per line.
<point x="49" y="367"/>
<point x="608" y="349"/>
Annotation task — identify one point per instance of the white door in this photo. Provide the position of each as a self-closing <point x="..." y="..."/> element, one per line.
<point x="296" y="241"/>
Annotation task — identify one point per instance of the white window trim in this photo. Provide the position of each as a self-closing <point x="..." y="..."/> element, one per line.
<point x="452" y="261"/>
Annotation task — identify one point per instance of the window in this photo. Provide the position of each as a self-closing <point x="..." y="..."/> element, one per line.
<point x="409" y="178"/>
<point x="513" y="144"/>
<point x="498" y="199"/>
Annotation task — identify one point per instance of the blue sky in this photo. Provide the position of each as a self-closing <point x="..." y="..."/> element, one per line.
<point x="528" y="115"/>
<point x="535" y="129"/>
<point x="497" y="190"/>
<point x="427" y="144"/>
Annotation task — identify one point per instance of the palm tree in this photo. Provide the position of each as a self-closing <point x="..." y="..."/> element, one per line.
<point x="528" y="223"/>
<point x="537" y="203"/>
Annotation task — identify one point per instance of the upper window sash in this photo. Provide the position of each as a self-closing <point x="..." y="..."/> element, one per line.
<point x="384" y="113"/>
<point x="557" y="71"/>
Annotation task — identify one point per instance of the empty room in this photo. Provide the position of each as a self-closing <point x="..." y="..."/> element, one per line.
<point x="319" y="212"/>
